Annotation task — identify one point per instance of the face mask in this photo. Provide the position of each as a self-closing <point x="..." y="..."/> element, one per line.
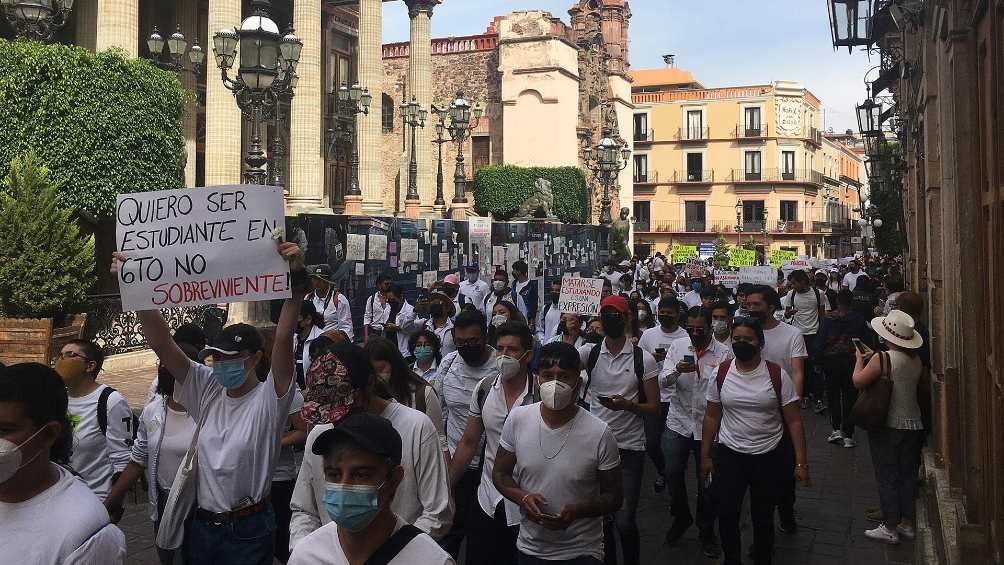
<point x="509" y="367"/>
<point x="384" y="377"/>
<point x="667" y="322"/>
<point x="695" y="286"/>
<point x="642" y="316"/>
<point x="554" y="297"/>
<point x="719" y="327"/>
<point x="499" y="286"/>
<point x="230" y="374"/>
<point x="556" y="395"/>
<point x="698" y="338"/>
<point x="471" y="354"/>
<point x="592" y="337"/>
<point x="472" y="277"/>
<point x="10" y="457"/>
<point x="499" y="319"/>
<point x="759" y="316"/>
<point x="436" y="310"/>
<point x="352" y="507"/>
<point x="71" y="368"/>
<point x="424" y="352"/>
<point x="613" y="326"/>
<point x="743" y="350"/>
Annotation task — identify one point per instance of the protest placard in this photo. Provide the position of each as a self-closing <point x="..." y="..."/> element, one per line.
<point x="778" y="256"/>
<point x="695" y="268"/>
<point x="580" y="296"/>
<point x="377" y="247"/>
<point x="211" y="245"/>
<point x="355" y="247"/>
<point x="758" y="275"/>
<point x="797" y="264"/>
<point x="480" y="238"/>
<point x="409" y="250"/>
<point x="429" y="278"/>
<point x="681" y="253"/>
<point x="728" y="279"/>
<point x="742" y="257"/>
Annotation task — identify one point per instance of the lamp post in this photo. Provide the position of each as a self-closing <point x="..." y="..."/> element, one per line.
<point x="463" y="120"/>
<point x="739" y="222"/>
<point x="267" y="70"/>
<point x="36" y="19"/>
<point x="611" y="157"/>
<point x="439" y="206"/>
<point x="766" y="240"/>
<point x="414" y="117"/>
<point x="350" y="102"/>
<point x="176" y="47"/>
<point x="869" y="115"/>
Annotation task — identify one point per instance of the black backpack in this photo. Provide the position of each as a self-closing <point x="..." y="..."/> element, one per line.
<point x="639" y="370"/>
<point x="131" y="423"/>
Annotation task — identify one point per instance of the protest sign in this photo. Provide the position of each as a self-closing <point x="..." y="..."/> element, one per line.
<point x="211" y="245"/>
<point x="797" y="264"/>
<point x="758" y="275"/>
<point x="355" y="247"/>
<point x="728" y="279"/>
<point x="695" y="269"/>
<point x="580" y="296"/>
<point x="778" y="256"/>
<point x="681" y="253"/>
<point x="409" y="251"/>
<point x="480" y="237"/>
<point x="742" y="257"/>
<point x="377" y="248"/>
<point x="706" y="249"/>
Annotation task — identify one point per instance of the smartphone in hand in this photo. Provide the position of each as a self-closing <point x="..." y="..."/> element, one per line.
<point x="859" y="345"/>
<point x="689" y="359"/>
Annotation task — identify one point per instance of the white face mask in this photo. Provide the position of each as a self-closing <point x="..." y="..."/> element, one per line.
<point x="642" y="316"/>
<point x="499" y="319"/>
<point x="499" y="285"/>
<point x="556" y="395"/>
<point x="509" y="367"/>
<point x="472" y="277"/>
<point x="10" y="457"/>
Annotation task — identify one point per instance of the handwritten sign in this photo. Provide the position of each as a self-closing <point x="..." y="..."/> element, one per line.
<point x="778" y="256"/>
<point x="480" y="234"/>
<point x="797" y="264"/>
<point x="728" y="279"/>
<point x="758" y="275"/>
<point x="681" y="252"/>
<point x="409" y="250"/>
<point x="580" y="296"/>
<point x="377" y="248"/>
<point x="355" y="247"/>
<point x="742" y="257"/>
<point x="187" y="247"/>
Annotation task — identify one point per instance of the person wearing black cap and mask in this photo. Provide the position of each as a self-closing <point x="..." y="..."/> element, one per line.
<point x="363" y="472"/>
<point x="331" y="304"/>
<point x="244" y="420"/>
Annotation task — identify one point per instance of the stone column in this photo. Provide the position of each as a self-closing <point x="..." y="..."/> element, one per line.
<point x="188" y="19"/>
<point x="223" y="117"/>
<point x="118" y="26"/>
<point x="420" y="79"/>
<point x="305" y="183"/>
<point x="86" y="14"/>
<point x="368" y="126"/>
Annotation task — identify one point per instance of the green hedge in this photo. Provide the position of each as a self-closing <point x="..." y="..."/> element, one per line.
<point x="101" y="123"/>
<point x="500" y="190"/>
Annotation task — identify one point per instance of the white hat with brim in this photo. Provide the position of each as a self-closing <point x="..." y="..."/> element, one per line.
<point x="898" y="328"/>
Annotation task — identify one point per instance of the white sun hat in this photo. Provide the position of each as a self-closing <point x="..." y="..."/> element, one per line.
<point x="898" y="328"/>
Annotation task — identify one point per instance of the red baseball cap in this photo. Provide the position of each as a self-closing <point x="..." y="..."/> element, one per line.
<point x="617" y="302"/>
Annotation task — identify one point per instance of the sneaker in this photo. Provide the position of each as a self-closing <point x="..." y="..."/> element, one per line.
<point x="820" y="407"/>
<point x="660" y="484"/>
<point x="906" y="531"/>
<point x="836" y="437"/>
<point x="709" y="545"/>
<point x="677" y="530"/>
<point x="883" y="534"/>
<point x="874" y="514"/>
<point x="849" y="442"/>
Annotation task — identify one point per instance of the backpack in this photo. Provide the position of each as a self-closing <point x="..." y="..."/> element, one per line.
<point x="639" y="369"/>
<point x="131" y="423"/>
<point x="394" y="545"/>
<point x="773" y="369"/>
<point x="486" y="385"/>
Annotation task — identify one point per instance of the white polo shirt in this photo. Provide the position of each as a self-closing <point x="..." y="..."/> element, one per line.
<point x="688" y="390"/>
<point x="615" y="375"/>
<point x="655" y="338"/>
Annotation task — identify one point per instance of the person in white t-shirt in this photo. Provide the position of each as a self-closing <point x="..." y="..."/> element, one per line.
<point x="807" y="306"/>
<point x="244" y="421"/>
<point x="850" y="279"/>
<point x="783" y="346"/>
<point x="333" y="306"/>
<point x="550" y="315"/>
<point x="284" y="475"/>
<point x="748" y="407"/>
<point x="102" y="421"/>
<point x="492" y="536"/>
<point x="561" y="466"/>
<point x="721" y="324"/>
<point x="339" y="383"/>
<point x="693" y="296"/>
<point x="377" y="307"/>
<point x="362" y="476"/>
<point x="474" y="288"/>
<point x="656" y="341"/>
<point x="48" y="516"/>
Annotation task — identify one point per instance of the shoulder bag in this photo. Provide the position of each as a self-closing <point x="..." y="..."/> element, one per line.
<point x="872" y="406"/>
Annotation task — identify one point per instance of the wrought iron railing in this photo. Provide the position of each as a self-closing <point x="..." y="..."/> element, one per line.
<point x="120" y="332"/>
<point x="751" y="131"/>
<point x="644" y="136"/>
<point x="696" y="176"/>
<point x="693" y="134"/>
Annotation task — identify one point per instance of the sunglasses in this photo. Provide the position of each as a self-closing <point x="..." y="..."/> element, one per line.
<point x="551" y="362"/>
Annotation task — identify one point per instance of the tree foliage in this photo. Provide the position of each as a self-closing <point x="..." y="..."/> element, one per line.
<point x="501" y="189"/>
<point x="721" y="255"/>
<point x="102" y="123"/>
<point x="886" y="199"/>
<point x="46" y="265"/>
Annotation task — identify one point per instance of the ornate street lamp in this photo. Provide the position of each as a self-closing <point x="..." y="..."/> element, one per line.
<point x="463" y="120"/>
<point x="739" y="221"/>
<point x="440" y="203"/>
<point x="176" y="47"/>
<point x="850" y="22"/>
<point x="611" y="157"/>
<point x="869" y="118"/>
<point x="414" y="117"/>
<point x="267" y="70"/>
<point x="350" y="102"/>
<point x="36" y="19"/>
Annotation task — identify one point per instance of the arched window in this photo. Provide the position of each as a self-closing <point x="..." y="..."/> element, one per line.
<point x="387" y="115"/>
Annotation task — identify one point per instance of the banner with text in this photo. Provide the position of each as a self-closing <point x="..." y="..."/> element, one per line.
<point x="580" y="296"/>
<point x="681" y="253"/>
<point x="728" y="279"/>
<point x="210" y="245"/>
<point x="758" y="275"/>
<point x="778" y="256"/>
<point x="742" y="257"/>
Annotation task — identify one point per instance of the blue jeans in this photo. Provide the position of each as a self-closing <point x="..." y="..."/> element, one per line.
<point x="246" y="541"/>
<point x="678" y="449"/>
<point x="525" y="559"/>
<point x="625" y="522"/>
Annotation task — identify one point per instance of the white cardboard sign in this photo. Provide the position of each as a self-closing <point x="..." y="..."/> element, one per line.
<point x="765" y="274"/>
<point x="580" y="296"/>
<point x="193" y="246"/>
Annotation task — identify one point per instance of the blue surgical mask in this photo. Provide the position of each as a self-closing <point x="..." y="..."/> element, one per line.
<point x="424" y="352"/>
<point x="352" y="507"/>
<point x="230" y="374"/>
<point x="695" y="285"/>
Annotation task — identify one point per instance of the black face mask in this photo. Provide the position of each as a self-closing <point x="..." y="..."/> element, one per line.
<point x="436" y="310"/>
<point x="554" y="297"/>
<point x="592" y="337"/>
<point x="759" y="316"/>
<point x="613" y="325"/>
<point x="743" y="350"/>
<point x="668" y="322"/>
<point x="472" y="354"/>
<point x="699" y="339"/>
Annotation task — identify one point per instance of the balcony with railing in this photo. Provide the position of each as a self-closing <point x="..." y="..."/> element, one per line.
<point x="646" y="178"/>
<point x="794" y="176"/>
<point x="691" y="226"/>
<point x="814" y="136"/>
<point x="694" y="176"/>
<point x="744" y="132"/>
<point x="693" y="134"/>
<point x="644" y="136"/>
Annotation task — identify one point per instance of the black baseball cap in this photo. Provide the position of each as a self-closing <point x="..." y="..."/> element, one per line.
<point x="321" y="271"/>
<point x="372" y="433"/>
<point x="235" y="339"/>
